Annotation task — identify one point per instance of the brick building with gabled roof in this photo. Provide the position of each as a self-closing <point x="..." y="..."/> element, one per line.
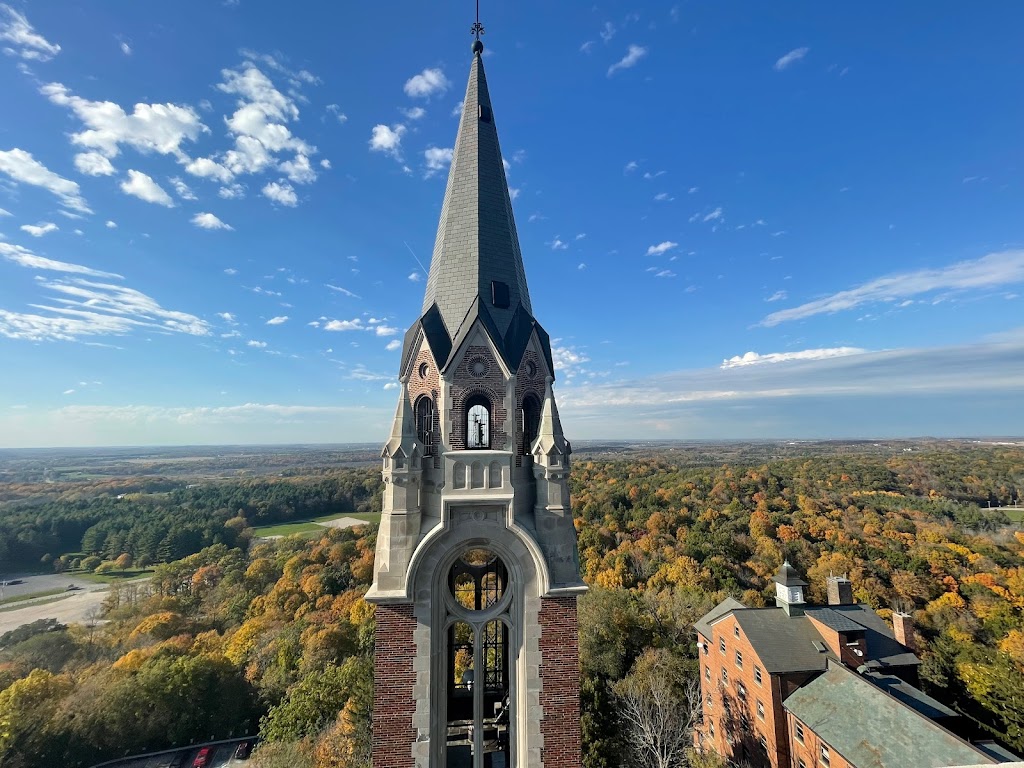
<point x="810" y="686"/>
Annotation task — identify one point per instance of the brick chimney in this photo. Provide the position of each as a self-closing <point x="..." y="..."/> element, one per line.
<point x="903" y="629"/>
<point x="840" y="591"/>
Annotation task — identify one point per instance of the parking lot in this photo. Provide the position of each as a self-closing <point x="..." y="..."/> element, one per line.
<point x="221" y="756"/>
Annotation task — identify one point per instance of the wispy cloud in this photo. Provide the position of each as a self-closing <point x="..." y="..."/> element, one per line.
<point x="438" y="158"/>
<point x="753" y="358"/>
<point x="778" y="296"/>
<point x="23" y="168"/>
<point x="26" y="258"/>
<point x="209" y="221"/>
<point x="991" y="271"/>
<point x="279" y="320"/>
<point x="40" y="229"/>
<point x="343" y="291"/>
<point x="631" y="59"/>
<point x="24" y="41"/>
<point x="791" y="58"/>
<point x="660" y="248"/>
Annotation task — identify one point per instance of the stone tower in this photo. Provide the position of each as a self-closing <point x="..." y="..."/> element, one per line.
<point x="477" y="570"/>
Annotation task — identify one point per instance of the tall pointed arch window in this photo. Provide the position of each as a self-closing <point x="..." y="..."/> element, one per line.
<point x="479" y="677"/>
<point x="425" y="424"/>
<point x="531" y="421"/>
<point x="478" y="422"/>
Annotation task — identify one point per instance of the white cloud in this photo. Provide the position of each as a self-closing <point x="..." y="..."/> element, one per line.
<point x="68" y="392"/>
<point x="22" y="167"/>
<point x="385" y="330"/>
<point x="791" y="58"/>
<point x="715" y="215"/>
<point x="414" y="113"/>
<point x="345" y="325"/>
<point x="632" y="57"/>
<point x="568" y="360"/>
<point x="83" y="308"/>
<point x="279" y="320"/>
<point x="160" y="128"/>
<point x="778" y="296"/>
<point x="558" y="245"/>
<point x="298" y="170"/>
<point x="205" y="168"/>
<point x="209" y="221"/>
<point x="126" y="49"/>
<point x="415" y="277"/>
<point x="5" y="212"/>
<point x="339" y="289"/>
<point x="325" y="164"/>
<point x="256" y="344"/>
<point x="24" y="41"/>
<point x="991" y="271"/>
<point x="111" y="225"/>
<point x="231" y="192"/>
<point x="664" y="197"/>
<point x="753" y="358"/>
<point x="335" y="110"/>
<point x="607" y="32"/>
<point x="457" y="109"/>
<point x="663" y="273"/>
<point x="427" y="83"/>
<point x="94" y="164"/>
<point x="391" y="385"/>
<point x="387" y="140"/>
<point x="438" y="159"/>
<point x="660" y="248"/>
<point x="631" y="166"/>
<point x="230" y="271"/>
<point x="40" y="229"/>
<point x="280" y="192"/>
<point x="393" y="345"/>
<point x="143" y="187"/>
<point x="586" y="46"/>
<point x="228" y="318"/>
<point x="26" y="258"/>
<point x="182" y="189"/>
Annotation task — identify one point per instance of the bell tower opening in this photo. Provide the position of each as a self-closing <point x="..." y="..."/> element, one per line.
<point x="478" y="422"/>
<point x="479" y="694"/>
<point x="531" y="421"/>
<point x="425" y="424"/>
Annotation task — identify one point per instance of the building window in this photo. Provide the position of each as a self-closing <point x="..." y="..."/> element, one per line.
<point x="800" y="732"/>
<point x="725" y="677"/>
<point x="824" y="755"/>
<point x="800" y="763"/>
<point x="707" y="674"/>
<point x="531" y="421"/>
<point x="708" y="702"/>
<point x="711" y="728"/>
<point x="425" y="424"/>
<point x="741" y="691"/>
<point x="757" y="675"/>
<point x="760" y="709"/>
<point x="736" y="630"/>
<point x="763" y="742"/>
<point x="721" y="645"/>
<point x="739" y="659"/>
<point x="478" y="422"/>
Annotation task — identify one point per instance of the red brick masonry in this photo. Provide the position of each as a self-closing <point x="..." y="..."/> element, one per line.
<point x="560" y="681"/>
<point x="393" y="681"/>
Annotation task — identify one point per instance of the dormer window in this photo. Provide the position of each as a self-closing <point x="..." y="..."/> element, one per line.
<point x="478" y="423"/>
<point x="425" y="424"/>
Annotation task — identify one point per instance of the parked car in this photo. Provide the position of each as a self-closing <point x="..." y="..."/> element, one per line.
<point x="243" y="750"/>
<point x="202" y="759"/>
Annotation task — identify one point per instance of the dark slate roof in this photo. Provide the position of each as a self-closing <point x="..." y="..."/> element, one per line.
<point x="913" y="697"/>
<point x="783" y="643"/>
<point x="789" y="576"/>
<point x="703" y="625"/>
<point x="476" y="237"/>
<point x="883" y="648"/>
<point x="872" y="729"/>
<point x="835" y="620"/>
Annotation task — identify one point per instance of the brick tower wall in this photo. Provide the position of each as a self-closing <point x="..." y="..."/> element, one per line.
<point x="560" y="682"/>
<point x="393" y="681"/>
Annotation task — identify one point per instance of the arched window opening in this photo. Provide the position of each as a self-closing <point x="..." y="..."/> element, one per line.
<point x="425" y="424"/>
<point x="459" y="472"/>
<point x="476" y="475"/>
<point x="478" y="422"/>
<point x="531" y="421"/>
<point x="494" y="475"/>
<point x="479" y="705"/>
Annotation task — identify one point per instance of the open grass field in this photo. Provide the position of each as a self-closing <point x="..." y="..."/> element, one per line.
<point x="21" y="598"/>
<point x="1015" y="514"/>
<point x="310" y="527"/>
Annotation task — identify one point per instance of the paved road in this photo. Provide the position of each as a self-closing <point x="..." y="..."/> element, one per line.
<point x="42" y="583"/>
<point x="72" y="609"/>
<point x="221" y="757"/>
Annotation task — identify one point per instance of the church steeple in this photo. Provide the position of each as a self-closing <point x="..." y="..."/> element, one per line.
<point x="476" y="253"/>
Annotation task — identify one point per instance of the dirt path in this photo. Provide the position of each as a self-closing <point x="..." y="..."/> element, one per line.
<point x="72" y="609"/>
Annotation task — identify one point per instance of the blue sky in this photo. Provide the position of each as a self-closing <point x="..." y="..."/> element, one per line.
<point x="739" y="220"/>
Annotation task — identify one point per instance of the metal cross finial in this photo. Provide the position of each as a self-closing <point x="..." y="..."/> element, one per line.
<point x="477" y="28"/>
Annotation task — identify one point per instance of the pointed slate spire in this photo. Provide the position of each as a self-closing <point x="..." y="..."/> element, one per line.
<point x="549" y="432"/>
<point x="476" y="253"/>
<point x="403" y="430"/>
